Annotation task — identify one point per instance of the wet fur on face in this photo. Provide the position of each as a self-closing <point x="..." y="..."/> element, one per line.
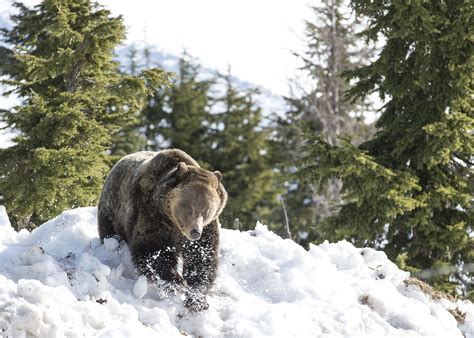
<point x="195" y="201"/>
<point x="192" y="207"/>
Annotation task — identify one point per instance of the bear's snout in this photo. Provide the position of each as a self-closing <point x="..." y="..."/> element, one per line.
<point x="196" y="229"/>
<point x="195" y="234"/>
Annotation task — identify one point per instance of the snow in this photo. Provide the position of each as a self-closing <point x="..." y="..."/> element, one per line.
<point x="59" y="281"/>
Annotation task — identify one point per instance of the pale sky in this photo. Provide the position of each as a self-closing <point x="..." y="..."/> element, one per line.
<point x="254" y="37"/>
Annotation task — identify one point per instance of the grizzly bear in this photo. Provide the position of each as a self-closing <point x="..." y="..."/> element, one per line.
<point x="166" y="208"/>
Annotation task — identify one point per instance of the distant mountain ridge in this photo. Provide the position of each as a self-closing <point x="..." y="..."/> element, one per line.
<point x="270" y="102"/>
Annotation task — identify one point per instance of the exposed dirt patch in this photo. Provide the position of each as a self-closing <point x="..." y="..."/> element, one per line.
<point x="428" y="289"/>
<point x="437" y="295"/>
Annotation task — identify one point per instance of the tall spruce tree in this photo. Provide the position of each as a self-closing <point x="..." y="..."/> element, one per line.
<point x="129" y="138"/>
<point x="220" y="126"/>
<point x="178" y="116"/>
<point x="331" y="47"/>
<point x="409" y="189"/>
<point x="73" y="99"/>
<point x="239" y="147"/>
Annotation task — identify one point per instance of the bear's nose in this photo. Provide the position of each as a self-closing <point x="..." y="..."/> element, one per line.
<point x="195" y="234"/>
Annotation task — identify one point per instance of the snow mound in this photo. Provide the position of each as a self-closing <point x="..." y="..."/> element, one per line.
<point x="59" y="281"/>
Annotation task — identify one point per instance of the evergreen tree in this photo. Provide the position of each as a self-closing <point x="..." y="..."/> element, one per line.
<point x="219" y="126"/>
<point x="332" y="47"/>
<point x="129" y="139"/>
<point x="74" y="98"/>
<point x="409" y="189"/>
<point x="178" y="117"/>
<point x="239" y="147"/>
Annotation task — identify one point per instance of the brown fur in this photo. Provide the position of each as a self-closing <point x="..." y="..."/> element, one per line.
<point x="158" y="202"/>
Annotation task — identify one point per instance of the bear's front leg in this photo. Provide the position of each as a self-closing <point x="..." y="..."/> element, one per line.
<point x="200" y="260"/>
<point x="153" y="259"/>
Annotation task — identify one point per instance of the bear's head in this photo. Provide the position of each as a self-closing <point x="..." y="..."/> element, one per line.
<point x="197" y="199"/>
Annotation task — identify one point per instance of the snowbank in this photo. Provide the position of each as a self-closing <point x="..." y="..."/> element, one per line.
<point x="60" y="281"/>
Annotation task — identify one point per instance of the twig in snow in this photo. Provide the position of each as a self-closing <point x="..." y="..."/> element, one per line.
<point x="287" y="233"/>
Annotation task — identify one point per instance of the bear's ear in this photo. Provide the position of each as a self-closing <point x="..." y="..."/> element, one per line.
<point x="218" y="175"/>
<point x="181" y="169"/>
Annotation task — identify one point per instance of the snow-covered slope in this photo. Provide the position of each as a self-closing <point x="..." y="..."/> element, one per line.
<point x="59" y="281"/>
